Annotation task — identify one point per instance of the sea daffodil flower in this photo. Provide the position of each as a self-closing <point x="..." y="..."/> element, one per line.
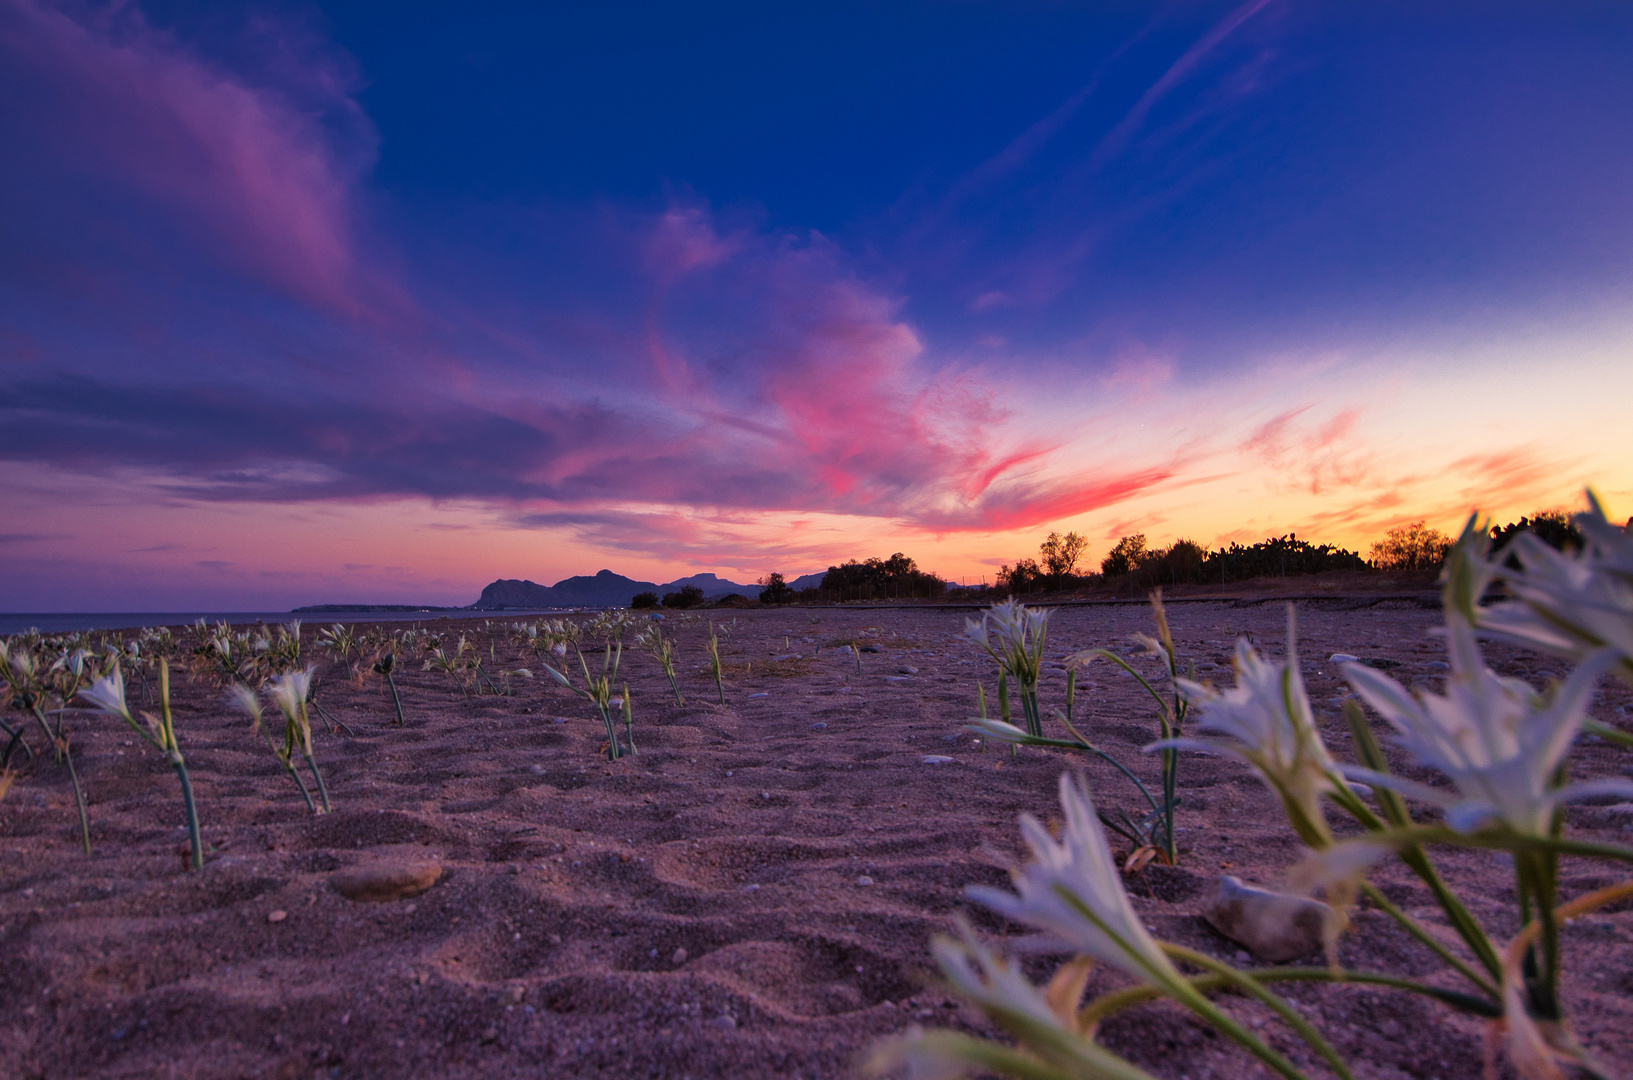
<point x="1266" y="721"/>
<point x="1568" y="604"/>
<point x="1497" y="740"/>
<point x="1072" y="890"/>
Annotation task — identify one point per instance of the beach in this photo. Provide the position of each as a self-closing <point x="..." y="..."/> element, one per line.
<point x="752" y="893"/>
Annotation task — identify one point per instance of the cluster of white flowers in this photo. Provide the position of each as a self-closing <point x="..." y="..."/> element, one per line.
<point x="1500" y="743"/>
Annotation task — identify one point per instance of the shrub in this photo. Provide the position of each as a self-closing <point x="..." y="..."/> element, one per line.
<point x="644" y="600"/>
<point x="1125" y="557"/>
<point x="774" y="590"/>
<point x="688" y="596"/>
<point x="1276" y="557"/>
<point x="1180" y="561"/>
<point x="892" y="578"/>
<point x="1411" y="547"/>
<point x="1552" y="527"/>
<point x="1023" y="577"/>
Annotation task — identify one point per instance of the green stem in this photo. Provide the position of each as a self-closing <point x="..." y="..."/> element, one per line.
<point x="1608" y="733"/>
<point x="1083" y="744"/>
<point x="1498" y="841"/>
<point x="629" y="721"/>
<point x="1417" y="930"/>
<point x="1127" y="998"/>
<point x="294" y="774"/>
<point x="323" y="793"/>
<point x="196" y="841"/>
<point x="1251" y="985"/>
<point x="1394" y="809"/>
<point x="1216" y="1018"/>
<point x="79" y="800"/>
<point x="333" y="723"/>
<point x="613" y="753"/>
<point x="16" y="740"/>
<point x="395" y="699"/>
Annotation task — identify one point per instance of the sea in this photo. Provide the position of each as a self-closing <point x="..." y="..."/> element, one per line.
<point x="61" y="623"/>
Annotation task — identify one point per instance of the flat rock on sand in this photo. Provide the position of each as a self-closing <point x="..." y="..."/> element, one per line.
<point x="379" y="883"/>
<point x="1272" y="925"/>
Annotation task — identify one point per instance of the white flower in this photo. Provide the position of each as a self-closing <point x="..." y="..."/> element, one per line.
<point x="1568" y="605"/>
<point x="1097" y="918"/>
<point x="1265" y="720"/>
<point x="243" y="698"/>
<point x="1050" y="1043"/>
<point x="1019" y="632"/>
<point x="107" y="695"/>
<point x="290" y="691"/>
<point x="1497" y="740"/>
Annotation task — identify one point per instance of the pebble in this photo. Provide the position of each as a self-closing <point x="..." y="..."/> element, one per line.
<point x="907" y="671"/>
<point x="1272" y="926"/>
<point x="864" y="880"/>
<point x="1438" y="665"/>
<point x="276" y="916"/>
<point x="383" y="882"/>
<point x="751" y="697"/>
<point x="537" y="770"/>
<point x="785" y="656"/>
<point x="1343" y="658"/>
<point x="725" y="1022"/>
<point x="898" y="678"/>
<point x="937" y="759"/>
<point x="820" y="725"/>
<point x="679" y="957"/>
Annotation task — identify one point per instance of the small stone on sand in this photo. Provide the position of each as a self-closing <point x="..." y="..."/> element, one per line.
<point x="380" y="883"/>
<point x="1273" y="926"/>
<point x="276" y="916"/>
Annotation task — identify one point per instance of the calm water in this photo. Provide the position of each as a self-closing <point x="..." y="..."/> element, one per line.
<point x="52" y="623"/>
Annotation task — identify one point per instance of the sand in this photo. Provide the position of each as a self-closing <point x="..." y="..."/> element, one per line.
<point x="750" y="895"/>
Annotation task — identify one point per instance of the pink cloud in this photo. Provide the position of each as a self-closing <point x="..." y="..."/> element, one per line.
<point x="1318" y="458"/>
<point x="245" y="170"/>
<point x="684" y="240"/>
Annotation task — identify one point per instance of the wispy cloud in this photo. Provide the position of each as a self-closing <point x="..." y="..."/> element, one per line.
<point x="258" y="177"/>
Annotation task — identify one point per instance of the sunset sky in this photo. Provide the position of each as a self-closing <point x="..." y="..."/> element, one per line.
<point x="306" y="303"/>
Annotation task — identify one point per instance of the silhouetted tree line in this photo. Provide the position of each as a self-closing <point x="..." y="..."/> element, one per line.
<point x="1552" y="527"/>
<point x="895" y="578"/>
<point x="1413" y="546"/>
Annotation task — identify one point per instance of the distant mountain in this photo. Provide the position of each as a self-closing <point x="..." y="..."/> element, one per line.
<point x="711" y="585"/>
<point x="605" y="589"/>
<point x="808" y="581"/>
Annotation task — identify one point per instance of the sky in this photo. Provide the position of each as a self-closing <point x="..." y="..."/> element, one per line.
<point x="300" y="304"/>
